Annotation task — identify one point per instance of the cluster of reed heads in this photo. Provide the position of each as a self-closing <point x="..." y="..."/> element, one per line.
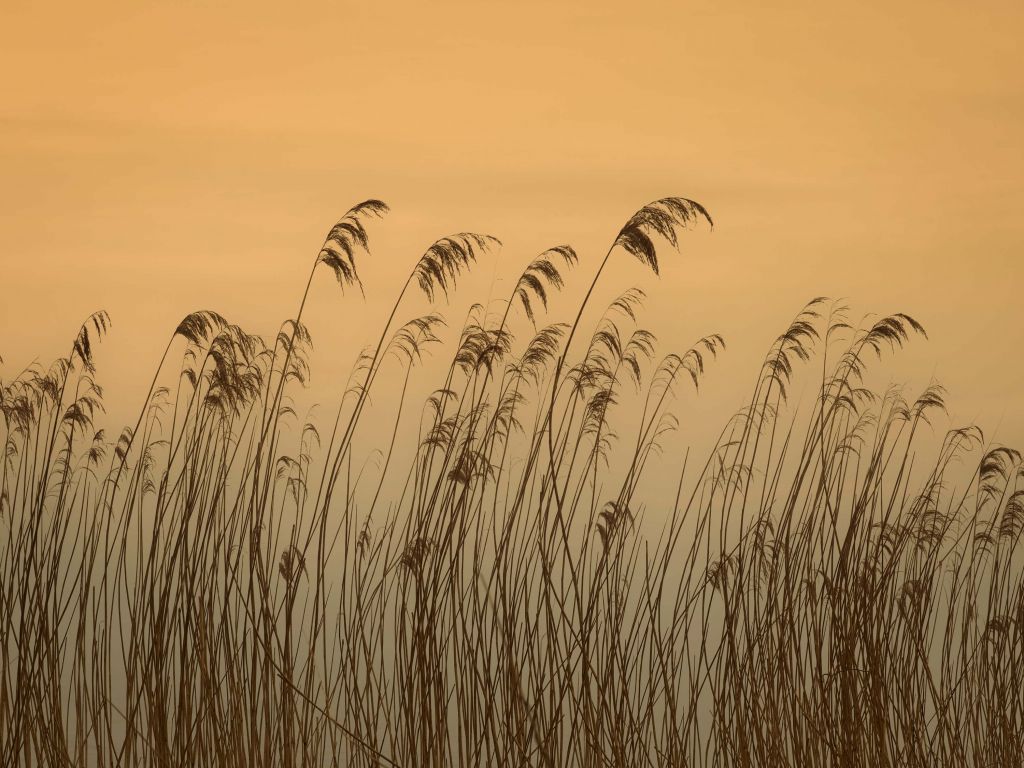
<point x="222" y="584"/>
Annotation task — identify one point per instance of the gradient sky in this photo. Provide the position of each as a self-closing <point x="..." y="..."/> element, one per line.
<point x="163" y="157"/>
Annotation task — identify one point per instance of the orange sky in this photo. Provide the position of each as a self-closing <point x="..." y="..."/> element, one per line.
<point x="162" y="157"/>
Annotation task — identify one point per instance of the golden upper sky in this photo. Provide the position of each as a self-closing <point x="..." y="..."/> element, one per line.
<point x="162" y="157"/>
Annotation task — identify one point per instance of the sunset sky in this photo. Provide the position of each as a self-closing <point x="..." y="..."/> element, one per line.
<point x="163" y="157"/>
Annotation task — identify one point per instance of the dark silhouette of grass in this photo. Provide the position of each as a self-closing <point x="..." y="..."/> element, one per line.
<point x="204" y="589"/>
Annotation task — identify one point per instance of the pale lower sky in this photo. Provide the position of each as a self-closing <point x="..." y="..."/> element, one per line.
<point x="162" y="157"/>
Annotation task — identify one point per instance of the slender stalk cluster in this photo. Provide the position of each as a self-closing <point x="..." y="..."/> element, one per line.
<point x="507" y="583"/>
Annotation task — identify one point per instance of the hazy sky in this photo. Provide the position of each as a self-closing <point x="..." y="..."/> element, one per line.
<point x="157" y="158"/>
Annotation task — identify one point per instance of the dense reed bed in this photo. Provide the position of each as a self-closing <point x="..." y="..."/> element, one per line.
<point x="834" y="583"/>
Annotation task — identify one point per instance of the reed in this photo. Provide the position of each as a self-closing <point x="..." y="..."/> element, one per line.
<point x="225" y="583"/>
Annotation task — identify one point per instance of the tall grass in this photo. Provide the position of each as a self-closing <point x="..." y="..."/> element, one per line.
<point x="222" y="584"/>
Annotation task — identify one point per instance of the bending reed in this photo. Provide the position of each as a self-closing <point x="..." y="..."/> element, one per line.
<point x="221" y="584"/>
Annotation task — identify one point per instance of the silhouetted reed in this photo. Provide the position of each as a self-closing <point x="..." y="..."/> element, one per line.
<point x="225" y="583"/>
